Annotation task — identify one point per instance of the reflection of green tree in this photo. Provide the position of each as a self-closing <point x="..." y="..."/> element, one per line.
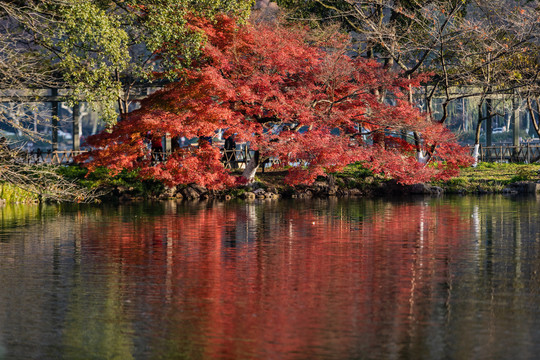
<point x="96" y="327"/>
<point x="181" y="342"/>
<point x="17" y="214"/>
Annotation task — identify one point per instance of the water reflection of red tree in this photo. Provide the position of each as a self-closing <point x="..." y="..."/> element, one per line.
<point x="251" y="283"/>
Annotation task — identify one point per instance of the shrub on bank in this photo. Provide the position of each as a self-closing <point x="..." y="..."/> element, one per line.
<point x="125" y="182"/>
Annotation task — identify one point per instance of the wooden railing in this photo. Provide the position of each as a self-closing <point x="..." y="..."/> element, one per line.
<point x="48" y="157"/>
<point x="232" y="159"/>
<point x="525" y="153"/>
<point x="238" y="158"/>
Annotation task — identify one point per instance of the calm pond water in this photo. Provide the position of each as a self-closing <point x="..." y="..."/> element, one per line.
<point x="444" y="278"/>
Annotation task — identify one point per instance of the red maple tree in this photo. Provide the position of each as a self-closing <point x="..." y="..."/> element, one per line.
<point x="290" y="96"/>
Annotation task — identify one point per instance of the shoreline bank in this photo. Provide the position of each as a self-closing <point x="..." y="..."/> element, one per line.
<point x="354" y="181"/>
<point x="487" y="178"/>
<point x="321" y="189"/>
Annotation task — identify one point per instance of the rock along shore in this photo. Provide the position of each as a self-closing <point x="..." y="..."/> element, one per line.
<point x="321" y="189"/>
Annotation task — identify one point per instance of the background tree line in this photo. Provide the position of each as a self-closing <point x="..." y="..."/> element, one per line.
<point x="101" y="50"/>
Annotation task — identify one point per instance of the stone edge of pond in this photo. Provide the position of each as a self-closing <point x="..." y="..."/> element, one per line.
<point x="262" y="191"/>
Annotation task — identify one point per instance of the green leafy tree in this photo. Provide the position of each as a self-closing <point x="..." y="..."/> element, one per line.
<point x="102" y="50"/>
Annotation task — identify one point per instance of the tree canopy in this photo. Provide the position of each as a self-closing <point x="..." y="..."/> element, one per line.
<point x="290" y="96"/>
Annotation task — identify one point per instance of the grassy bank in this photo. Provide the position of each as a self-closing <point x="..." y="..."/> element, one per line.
<point x="490" y="177"/>
<point x="485" y="178"/>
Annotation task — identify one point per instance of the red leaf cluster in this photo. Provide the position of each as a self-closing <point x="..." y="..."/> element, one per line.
<point x="330" y="109"/>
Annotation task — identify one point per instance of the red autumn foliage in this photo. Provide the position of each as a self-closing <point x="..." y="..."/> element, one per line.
<point x="252" y="79"/>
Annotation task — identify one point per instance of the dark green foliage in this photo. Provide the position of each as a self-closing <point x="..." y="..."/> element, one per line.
<point x="126" y="182"/>
<point x="357" y="170"/>
<point x="301" y="9"/>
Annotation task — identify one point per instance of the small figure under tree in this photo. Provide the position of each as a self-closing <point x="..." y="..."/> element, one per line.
<point x="291" y="96"/>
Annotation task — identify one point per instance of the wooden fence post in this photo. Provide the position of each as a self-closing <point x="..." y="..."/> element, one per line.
<point x="76" y="122"/>
<point x="54" y="120"/>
